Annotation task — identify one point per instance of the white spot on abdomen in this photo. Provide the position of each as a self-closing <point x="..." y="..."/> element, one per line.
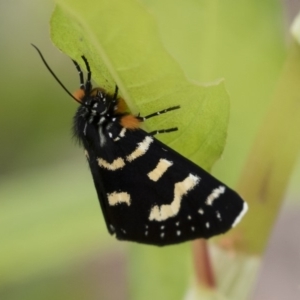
<point x="165" y="211"/>
<point x="160" y="169"/>
<point x="117" y="198"/>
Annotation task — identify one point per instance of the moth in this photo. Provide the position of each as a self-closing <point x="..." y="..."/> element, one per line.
<point x="148" y="192"/>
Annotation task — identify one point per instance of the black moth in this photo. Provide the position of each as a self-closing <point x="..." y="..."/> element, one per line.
<point x="148" y="192"/>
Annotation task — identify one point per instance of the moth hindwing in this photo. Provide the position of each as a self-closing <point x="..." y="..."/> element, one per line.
<point x="148" y="192"/>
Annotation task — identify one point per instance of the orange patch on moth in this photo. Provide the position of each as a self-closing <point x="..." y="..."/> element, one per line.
<point x="79" y="94"/>
<point x="130" y="122"/>
<point x="121" y="106"/>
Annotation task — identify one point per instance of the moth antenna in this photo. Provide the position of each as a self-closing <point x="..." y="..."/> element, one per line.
<point x="53" y="74"/>
<point x="88" y="85"/>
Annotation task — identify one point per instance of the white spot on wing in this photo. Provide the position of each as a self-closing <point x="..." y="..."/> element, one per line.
<point x="178" y="232"/>
<point x="240" y="216"/>
<point x="118" y="163"/>
<point x="86" y="154"/>
<point x="117" y="198"/>
<point x="162" y="234"/>
<point x="207" y="225"/>
<point x="160" y="169"/>
<point x="121" y="134"/>
<point x="141" y="149"/>
<point x="215" y="194"/>
<point x="165" y="211"/>
<point x="201" y="211"/>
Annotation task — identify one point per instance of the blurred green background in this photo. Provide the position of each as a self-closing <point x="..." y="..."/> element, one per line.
<point x="53" y="242"/>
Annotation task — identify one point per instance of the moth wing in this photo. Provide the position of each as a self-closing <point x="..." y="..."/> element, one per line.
<point x="99" y="184"/>
<point x="154" y="195"/>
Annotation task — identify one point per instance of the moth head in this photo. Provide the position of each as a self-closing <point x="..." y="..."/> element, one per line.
<point x="97" y="101"/>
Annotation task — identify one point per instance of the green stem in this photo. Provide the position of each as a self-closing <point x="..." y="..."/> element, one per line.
<point x="270" y="163"/>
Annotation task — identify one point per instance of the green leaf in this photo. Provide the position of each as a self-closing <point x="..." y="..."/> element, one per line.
<point x="126" y="49"/>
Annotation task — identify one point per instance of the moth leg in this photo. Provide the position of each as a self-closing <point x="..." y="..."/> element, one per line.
<point x="158" y="113"/>
<point x="163" y="131"/>
<point x="116" y="93"/>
